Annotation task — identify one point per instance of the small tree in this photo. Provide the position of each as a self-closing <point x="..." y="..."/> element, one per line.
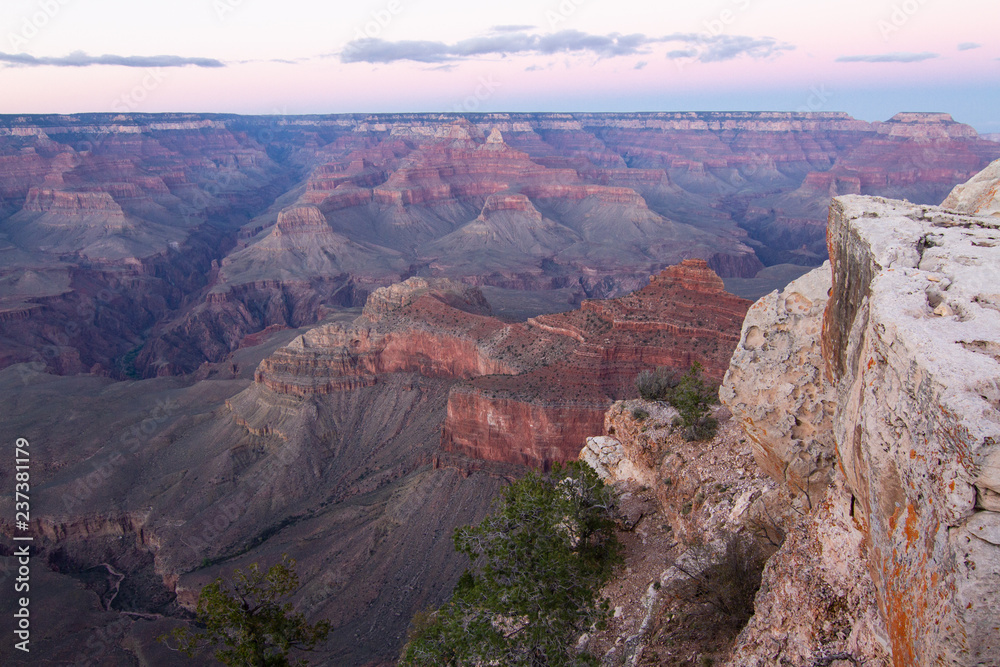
<point x="538" y="562"/>
<point x="246" y="616"/>
<point x="693" y="399"/>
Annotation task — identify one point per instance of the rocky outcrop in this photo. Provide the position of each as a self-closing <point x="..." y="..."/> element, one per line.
<point x="909" y="344"/>
<point x="585" y="359"/>
<point x="816" y="601"/>
<point x="979" y="195"/>
<point x="776" y="389"/>
<point x="909" y="337"/>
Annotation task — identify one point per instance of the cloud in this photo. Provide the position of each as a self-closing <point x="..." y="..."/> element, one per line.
<point x="898" y="57"/>
<point x="518" y="42"/>
<point x="511" y="28"/>
<point x="641" y="64"/>
<point x="81" y="59"/>
<point x="968" y="46"/>
<point x="728" y="47"/>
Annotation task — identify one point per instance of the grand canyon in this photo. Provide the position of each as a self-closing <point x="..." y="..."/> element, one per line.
<point x="339" y="337"/>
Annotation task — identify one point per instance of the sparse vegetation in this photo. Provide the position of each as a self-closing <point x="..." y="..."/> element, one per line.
<point x="688" y="394"/>
<point x="247" y="618"/>
<point x="539" y="560"/>
<point x="727" y="583"/>
<point x="656" y="385"/>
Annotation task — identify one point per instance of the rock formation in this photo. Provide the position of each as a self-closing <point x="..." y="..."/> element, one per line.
<point x="177" y="215"/>
<point x="775" y="386"/>
<point x="979" y="195"/>
<point x="534" y="391"/>
<point x="909" y="344"/>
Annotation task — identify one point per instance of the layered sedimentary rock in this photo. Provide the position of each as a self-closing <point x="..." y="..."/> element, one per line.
<point x="683" y="315"/>
<point x="775" y="386"/>
<point x="586" y="202"/>
<point x="909" y="341"/>
<point x="532" y="391"/>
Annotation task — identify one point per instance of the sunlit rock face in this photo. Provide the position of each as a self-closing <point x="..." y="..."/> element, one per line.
<point x="775" y="386"/>
<point x="912" y="343"/>
<point x="910" y="356"/>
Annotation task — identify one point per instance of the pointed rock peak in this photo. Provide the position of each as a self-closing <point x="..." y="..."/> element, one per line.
<point x="495" y="141"/>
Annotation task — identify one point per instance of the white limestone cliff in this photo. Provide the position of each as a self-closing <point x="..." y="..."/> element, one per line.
<point x="911" y="348"/>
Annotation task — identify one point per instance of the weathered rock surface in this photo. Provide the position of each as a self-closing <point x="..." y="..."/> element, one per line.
<point x="775" y="386"/>
<point x="816" y="599"/>
<point x="910" y="344"/>
<point x="977" y="196"/>
<point x="911" y="337"/>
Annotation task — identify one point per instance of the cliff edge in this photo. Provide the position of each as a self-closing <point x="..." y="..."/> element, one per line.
<point x="909" y="364"/>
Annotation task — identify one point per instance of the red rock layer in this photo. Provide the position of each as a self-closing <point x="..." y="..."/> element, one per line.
<point x="531" y="392"/>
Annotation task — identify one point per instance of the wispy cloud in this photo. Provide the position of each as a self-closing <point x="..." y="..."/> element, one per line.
<point x="511" y="28"/>
<point x="968" y="46"/>
<point x="518" y="42"/>
<point x="81" y="59"/>
<point x="718" y="48"/>
<point x="373" y="50"/>
<point x="898" y="57"/>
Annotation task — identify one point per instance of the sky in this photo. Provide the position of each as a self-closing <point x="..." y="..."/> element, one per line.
<point x="870" y="58"/>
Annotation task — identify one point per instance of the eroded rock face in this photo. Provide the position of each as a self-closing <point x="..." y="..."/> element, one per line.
<point x="816" y="599"/>
<point x="911" y="347"/>
<point x="979" y="195"/>
<point x="776" y="388"/>
<point x="911" y="336"/>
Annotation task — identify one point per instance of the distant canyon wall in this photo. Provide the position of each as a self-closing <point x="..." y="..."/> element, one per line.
<point x="198" y="231"/>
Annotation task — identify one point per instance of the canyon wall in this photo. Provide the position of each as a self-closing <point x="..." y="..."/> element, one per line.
<point x="910" y="363"/>
<point x="200" y="230"/>
<point x="525" y="393"/>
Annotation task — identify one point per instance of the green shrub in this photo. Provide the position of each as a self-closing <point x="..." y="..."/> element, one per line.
<point x="539" y="560"/>
<point x="689" y="394"/>
<point x="245" y="618"/>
